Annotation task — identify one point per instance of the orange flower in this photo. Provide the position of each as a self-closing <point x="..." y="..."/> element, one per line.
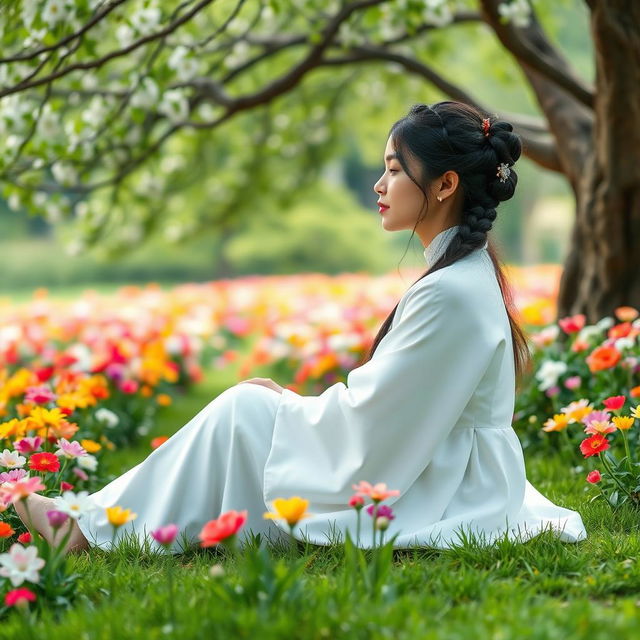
<point x="90" y="446"/>
<point x="593" y="445"/>
<point x="626" y="314"/>
<point x="603" y="357"/>
<point x="577" y="410"/>
<point x="163" y="399"/>
<point x="223" y="528"/>
<point x="623" y="422"/>
<point x="156" y="442"/>
<point x="290" y="509"/>
<point x="635" y="392"/>
<point x="6" y="530"/>
<point x="377" y="492"/>
<point x="557" y="423"/>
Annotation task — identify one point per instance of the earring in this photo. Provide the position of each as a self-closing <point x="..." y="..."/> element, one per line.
<point x="439" y="198"/>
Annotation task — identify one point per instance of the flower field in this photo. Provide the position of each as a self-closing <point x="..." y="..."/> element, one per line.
<point x="88" y="386"/>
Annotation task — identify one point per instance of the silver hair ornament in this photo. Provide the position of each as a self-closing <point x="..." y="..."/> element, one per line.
<point x="503" y="172"/>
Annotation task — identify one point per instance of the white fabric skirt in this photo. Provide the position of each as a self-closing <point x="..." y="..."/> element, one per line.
<point x="213" y="464"/>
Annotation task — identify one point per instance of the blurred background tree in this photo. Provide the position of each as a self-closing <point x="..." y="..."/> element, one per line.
<point x="130" y="124"/>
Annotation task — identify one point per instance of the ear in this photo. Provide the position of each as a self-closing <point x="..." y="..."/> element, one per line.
<point x="448" y="183"/>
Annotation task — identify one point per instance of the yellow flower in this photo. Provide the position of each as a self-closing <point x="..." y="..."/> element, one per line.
<point x="636" y="412"/>
<point x="622" y="422"/>
<point x="118" y="516"/>
<point x="557" y="423"/>
<point x="90" y="446"/>
<point x="290" y="509"/>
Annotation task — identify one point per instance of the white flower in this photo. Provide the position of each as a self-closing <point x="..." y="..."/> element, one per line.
<point x="549" y="372"/>
<point x="11" y="459"/>
<point x="64" y="174"/>
<point x="96" y="112"/>
<point x="108" y="417"/>
<point x="74" y="504"/>
<point x="624" y="343"/>
<point x="185" y="66"/>
<point x="146" y="95"/>
<point x="516" y="11"/>
<point x="49" y="123"/>
<point x="174" y="105"/>
<point x="21" y="564"/>
<point x="437" y="12"/>
<point x="88" y="462"/>
<point x="146" y="20"/>
<point x="125" y="35"/>
<point x="605" y="323"/>
<point x="56" y="11"/>
<point x="589" y="331"/>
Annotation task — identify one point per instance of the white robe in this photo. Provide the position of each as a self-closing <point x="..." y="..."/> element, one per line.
<point x="430" y="415"/>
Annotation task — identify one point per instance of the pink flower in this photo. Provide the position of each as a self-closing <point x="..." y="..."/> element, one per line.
<point x="614" y="402"/>
<point x="128" y="386"/>
<point x="572" y="324"/>
<point x="12" y="476"/>
<point x="69" y="449"/>
<point x="552" y="391"/>
<point x="12" y="492"/>
<point x="39" y="395"/>
<point x="573" y="382"/>
<point x="28" y="445"/>
<point x="593" y="476"/>
<point x="377" y="492"/>
<point x="356" y="501"/>
<point x="19" y="597"/>
<point x="600" y="416"/>
<point x="165" y="535"/>
<point x="81" y="473"/>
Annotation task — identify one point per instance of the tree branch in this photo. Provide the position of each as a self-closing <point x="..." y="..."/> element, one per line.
<point x="531" y="47"/>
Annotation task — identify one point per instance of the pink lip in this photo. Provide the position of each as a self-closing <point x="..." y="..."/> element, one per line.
<point x="382" y="208"/>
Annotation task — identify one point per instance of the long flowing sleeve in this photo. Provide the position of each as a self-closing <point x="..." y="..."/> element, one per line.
<point x="386" y="423"/>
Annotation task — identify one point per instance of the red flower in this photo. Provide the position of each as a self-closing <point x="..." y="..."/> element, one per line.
<point x="24" y="538"/>
<point x="614" y="402"/>
<point x="19" y="597"/>
<point x="226" y="526"/>
<point x="621" y="330"/>
<point x="593" y="445"/>
<point x="603" y="357"/>
<point x="571" y="324"/>
<point x="65" y="486"/>
<point x="44" y="461"/>
<point x="6" y="530"/>
<point x="593" y="476"/>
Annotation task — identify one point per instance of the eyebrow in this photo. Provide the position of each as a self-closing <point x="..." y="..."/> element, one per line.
<point x="390" y="156"/>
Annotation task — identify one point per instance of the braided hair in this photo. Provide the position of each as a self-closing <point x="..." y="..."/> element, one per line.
<point x="455" y="136"/>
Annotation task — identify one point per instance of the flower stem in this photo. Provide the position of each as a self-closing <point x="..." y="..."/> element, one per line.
<point x="358" y="528"/>
<point x="605" y="462"/>
<point x="627" y="451"/>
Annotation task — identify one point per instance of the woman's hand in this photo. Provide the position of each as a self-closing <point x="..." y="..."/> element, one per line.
<point x="265" y="382"/>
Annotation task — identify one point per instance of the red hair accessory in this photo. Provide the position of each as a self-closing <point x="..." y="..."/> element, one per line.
<point x="485" y="126"/>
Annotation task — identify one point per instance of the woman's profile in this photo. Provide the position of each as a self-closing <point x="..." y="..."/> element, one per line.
<point x="429" y="412"/>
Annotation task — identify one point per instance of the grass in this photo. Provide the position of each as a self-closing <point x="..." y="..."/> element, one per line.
<point x="541" y="589"/>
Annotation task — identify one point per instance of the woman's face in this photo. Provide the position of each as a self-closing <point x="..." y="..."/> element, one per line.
<point x="402" y="197"/>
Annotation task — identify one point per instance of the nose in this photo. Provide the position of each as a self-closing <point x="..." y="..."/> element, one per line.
<point x="377" y="187"/>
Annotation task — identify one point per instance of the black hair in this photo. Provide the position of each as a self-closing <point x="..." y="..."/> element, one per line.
<point x="447" y="136"/>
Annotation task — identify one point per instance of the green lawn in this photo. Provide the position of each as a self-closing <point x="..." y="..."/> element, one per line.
<point x="541" y="589"/>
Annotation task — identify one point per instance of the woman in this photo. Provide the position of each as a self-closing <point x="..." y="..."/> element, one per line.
<point x="429" y="413"/>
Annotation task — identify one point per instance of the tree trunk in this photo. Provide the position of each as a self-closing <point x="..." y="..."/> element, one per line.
<point x="602" y="270"/>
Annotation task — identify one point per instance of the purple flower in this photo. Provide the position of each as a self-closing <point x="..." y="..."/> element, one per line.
<point x="383" y="511"/>
<point x="165" y="535"/>
<point x="57" y="518"/>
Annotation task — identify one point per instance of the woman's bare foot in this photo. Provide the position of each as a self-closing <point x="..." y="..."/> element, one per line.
<point x="37" y="519"/>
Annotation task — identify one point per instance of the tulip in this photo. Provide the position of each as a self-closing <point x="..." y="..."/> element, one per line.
<point x="223" y="529"/>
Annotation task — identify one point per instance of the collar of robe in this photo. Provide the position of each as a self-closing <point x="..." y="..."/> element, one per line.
<point x="439" y="244"/>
